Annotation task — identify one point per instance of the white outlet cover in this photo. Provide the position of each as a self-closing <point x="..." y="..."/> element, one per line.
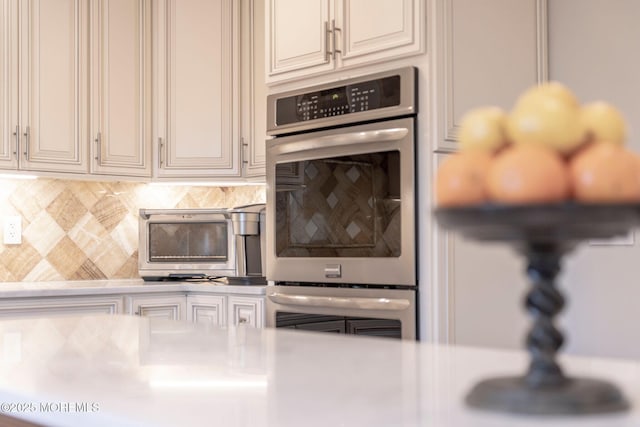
<point x="12" y="230"/>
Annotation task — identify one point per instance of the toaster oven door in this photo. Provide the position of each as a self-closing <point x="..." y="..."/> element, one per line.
<point x="186" y="244"/>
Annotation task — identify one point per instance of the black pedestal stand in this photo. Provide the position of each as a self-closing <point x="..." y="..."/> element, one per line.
<point x="543" y="234"/>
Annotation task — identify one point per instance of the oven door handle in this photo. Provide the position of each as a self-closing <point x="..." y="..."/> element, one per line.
<point x="390" y="304"/>
<point x="341" y="140"/>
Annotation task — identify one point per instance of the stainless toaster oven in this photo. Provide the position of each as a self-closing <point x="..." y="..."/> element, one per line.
<point x="201" y="243"/>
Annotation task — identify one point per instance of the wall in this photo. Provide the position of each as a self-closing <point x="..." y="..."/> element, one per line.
<point x="74" y="230"/>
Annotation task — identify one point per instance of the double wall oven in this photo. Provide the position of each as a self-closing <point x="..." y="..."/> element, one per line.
<point x="341" y="200"/>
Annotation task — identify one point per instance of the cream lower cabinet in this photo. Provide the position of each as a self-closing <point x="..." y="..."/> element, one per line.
<point x="46" y="306"/>
<point x="226" y="310"/>
<point x="318" y="36"/>
<point x="212" y="309"/>
<point x="121" y="87"/>
<point x="209" y="309"/>
<point x="245" y="310"/>
<point x="196" y="88"/>
<point x="43" y="99"/>
<point x="170" y="306"/>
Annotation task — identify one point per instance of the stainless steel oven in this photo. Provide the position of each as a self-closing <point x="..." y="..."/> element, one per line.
<point x="341" y="229"/>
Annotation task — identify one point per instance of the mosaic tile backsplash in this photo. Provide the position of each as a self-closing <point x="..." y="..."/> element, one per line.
<point x="79" y="230"/>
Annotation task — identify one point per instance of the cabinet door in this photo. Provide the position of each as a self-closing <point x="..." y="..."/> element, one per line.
<point x="166" y="307"/>
<point x="54" y="71"/>
<point x="483" y="53"/>
<point x="196" y="87"/>
<point x="254" y="96"/>
<point x="375" y="30"/>
<point x="298" y="41"/>
<point x="34" y="307"/>
<point x="8" y="83"/>
<point x="121" y="87"/>
<point x="209" y="309"/>
<point x="246" y="310"/>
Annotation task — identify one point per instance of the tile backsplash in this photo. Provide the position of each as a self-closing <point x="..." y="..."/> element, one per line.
<point x="78" y="230"/>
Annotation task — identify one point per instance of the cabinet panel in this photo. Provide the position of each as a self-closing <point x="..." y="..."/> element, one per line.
<point x="121" y="60"/>
<point x="198" y="128"/>
<point x="476" y="67"/>
<point x="170" y="307"/>
<point x="33" y="307"/>
<point x="54" y="85"/>
<point x="298" y="37"/>
<point x="314" y="37"/>
<point x="387" y="28"/>
<point x="8" y="83"/>
<point x="209" y="309"/>
<point x="246" y="310"/>
<point x="254" y="93"/>
<point x="467" y="290"/>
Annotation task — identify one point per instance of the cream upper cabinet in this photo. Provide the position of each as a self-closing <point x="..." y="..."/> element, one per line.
<point x="483" y="53"/>
<point x="121" y="87"/>
<point x="253" y="89"/>
<point x="298" y="39"/>
<point x="196" y="88"/>
<point x="377" y="30"/>
<point x="8" y="83"/>
<point x="44" y="49"/>
<point x="315" y="36"/>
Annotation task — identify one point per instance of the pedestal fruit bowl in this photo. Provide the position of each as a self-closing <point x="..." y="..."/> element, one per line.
<point x="543" y="178"/>
<point x="543" y="235"/>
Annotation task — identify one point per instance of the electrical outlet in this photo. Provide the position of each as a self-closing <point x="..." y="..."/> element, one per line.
<point x="12" y="230"/>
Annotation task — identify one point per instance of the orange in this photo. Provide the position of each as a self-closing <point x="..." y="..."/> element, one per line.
<point x="604" y="172"/>
<point x="638" y="167"/>
<point x="528" y="174"/>
<point x="460" y="179"/>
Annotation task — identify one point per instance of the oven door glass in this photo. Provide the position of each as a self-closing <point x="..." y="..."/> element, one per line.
<point x="347" y="206"/>
<point x="193" y="242"/>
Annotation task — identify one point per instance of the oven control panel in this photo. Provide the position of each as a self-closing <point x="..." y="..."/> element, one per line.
<point x="378" y="96"/>
<point x="340" y="100"/>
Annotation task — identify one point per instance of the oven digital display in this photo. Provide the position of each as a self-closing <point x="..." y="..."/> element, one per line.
<point x="341" y="100"/>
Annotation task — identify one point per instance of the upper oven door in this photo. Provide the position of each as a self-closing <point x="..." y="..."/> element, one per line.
<point x="341" y="205"/>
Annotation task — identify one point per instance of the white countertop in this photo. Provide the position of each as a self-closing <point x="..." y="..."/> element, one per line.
<point x="142" y="372"/>
<point x="105" y="287"/>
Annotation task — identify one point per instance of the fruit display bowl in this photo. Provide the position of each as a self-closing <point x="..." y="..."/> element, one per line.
<point x="543" y="234"/>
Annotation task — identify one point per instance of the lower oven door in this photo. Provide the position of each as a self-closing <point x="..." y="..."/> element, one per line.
<point x="356" y="311"/>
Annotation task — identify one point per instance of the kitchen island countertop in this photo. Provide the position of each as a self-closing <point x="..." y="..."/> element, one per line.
<point x="133" y="371"/>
